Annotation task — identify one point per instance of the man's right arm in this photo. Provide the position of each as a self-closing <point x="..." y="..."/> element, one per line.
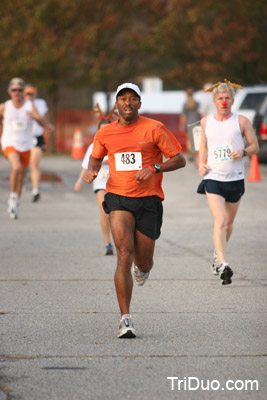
<point x="203" y="150"/>
<point x="93" y="169"/>
<point x="2" y="110"/>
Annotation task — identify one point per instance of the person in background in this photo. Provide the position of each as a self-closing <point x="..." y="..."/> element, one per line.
<point x="39" y="146"/>
<point x="99" y="188"/>
<point x="221" y="164"/>
<point x="18" y="115"/>
<point x="206" y="106"/>
<point x="190" y="114"/>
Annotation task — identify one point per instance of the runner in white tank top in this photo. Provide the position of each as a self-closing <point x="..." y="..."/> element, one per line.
<point x="39" y="145"/>
<point x="17" y="126"/>
<point x="223" y="137"/>
<point x="99" y="188"/>
<point x="16" y="141"/>
<point x="221" y="165"/>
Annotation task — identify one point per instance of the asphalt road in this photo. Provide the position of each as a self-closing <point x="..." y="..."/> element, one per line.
<point x="196" y="339"/>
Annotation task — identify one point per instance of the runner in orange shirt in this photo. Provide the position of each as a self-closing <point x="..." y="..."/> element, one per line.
<point x="135" y="146"/>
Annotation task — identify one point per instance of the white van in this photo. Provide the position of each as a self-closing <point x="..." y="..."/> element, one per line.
<point x="249" y="99"/>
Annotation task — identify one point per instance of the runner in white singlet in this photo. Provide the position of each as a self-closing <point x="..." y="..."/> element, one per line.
<point x="221" y="165"/>
<point x="16" y="141"/>
<point x="99" y="188"/>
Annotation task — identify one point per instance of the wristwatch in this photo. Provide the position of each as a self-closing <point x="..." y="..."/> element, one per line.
<point x="157" y="168"/>
<point x="244" y="153"/>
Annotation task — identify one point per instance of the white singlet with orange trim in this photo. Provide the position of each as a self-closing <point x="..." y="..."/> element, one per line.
<point x="17" y="127"/>
<point x="223" y="137"/>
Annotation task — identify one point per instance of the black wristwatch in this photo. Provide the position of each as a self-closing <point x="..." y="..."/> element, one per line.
<point x="244" y="153"/>
<point x="157" y="168"/>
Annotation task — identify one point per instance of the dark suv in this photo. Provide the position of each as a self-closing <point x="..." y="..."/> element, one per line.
<point x="260" y="126"/>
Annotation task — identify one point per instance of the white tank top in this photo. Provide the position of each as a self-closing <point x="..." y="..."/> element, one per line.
<point x="223" y="137"/>
<point x="17" y="127"/>
<point x="42" y="109"/>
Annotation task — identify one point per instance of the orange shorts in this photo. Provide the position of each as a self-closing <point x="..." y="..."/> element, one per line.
<point x="24" y="156"/>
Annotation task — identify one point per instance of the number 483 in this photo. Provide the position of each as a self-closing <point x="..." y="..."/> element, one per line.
<point x="128" y="158"/>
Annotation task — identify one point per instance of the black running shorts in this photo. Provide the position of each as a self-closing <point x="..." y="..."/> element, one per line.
<point x="147" y="211"/>
<point x="39" y="142"/>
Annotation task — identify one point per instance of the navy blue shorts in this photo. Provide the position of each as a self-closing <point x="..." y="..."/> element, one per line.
<point x="147" y="211"/>
<point x="231" y="191"/>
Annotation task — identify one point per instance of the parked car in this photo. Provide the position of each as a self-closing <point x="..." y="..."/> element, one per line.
<point x="249" y="99"/>
<point x="260" y="126"/>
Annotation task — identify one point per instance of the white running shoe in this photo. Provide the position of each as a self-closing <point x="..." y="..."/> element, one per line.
<point x="126" y="329"/>
<point x="12" y="208"/>
<point x="215" y="264"/>
<point x="139" y="276"/>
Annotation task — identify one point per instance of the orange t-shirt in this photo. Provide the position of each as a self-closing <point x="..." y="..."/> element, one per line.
<point x="130" y="148"/>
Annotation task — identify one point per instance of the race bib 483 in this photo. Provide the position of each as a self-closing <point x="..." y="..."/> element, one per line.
<point x="128" y="161"/>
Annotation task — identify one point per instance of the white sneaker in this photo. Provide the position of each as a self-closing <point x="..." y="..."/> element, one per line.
<point x="126" y="329"/>
<point x="12" y="208"/>
<point x="215" y="264"/>
<point x="139" y="276"/>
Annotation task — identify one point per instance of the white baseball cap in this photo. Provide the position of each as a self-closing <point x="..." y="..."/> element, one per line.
<point x="131" y="86"/>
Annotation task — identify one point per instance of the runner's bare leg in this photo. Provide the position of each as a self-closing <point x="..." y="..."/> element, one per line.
<point x="122" y="227"/>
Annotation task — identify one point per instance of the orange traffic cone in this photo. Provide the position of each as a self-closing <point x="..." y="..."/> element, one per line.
<point x="254" y="171"/>
<point x="77" y="145"/>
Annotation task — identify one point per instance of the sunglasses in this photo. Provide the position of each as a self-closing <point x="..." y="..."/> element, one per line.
<point x="29" y="94"/>
<point x="16" y="90"/>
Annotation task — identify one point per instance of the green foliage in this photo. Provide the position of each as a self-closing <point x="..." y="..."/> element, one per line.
<point x="55" y="42"/>
<point x="209" y="40"/>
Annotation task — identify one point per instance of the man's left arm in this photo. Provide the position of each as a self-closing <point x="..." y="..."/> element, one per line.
<point x="251" y="138"/>
<point x="49" y="126"/>
<point x="173" y="163"/>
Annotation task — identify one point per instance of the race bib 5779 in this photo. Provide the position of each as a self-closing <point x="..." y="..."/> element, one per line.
<point x="222" y="153"/>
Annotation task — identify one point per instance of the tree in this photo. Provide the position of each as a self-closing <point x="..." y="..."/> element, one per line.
<point x="72" y="43"/>
<point x="206" y="40"/>
<point x="100" y="44"/>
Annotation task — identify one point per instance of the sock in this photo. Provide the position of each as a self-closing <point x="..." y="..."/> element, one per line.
<point x="35" y="191"/>
<point x="126" y="316"/>
<point x="13" y="195"/>
<point x="221" y="267"/>
<point x="224" y="264"/>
